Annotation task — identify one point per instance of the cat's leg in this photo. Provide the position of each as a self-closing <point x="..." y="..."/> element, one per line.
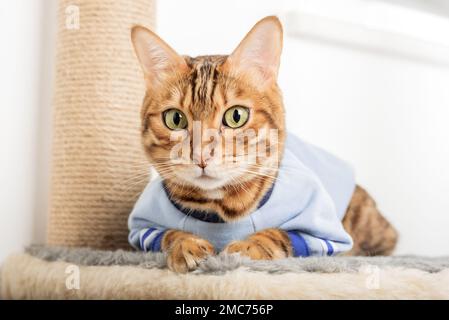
<point x="185" y="250"/>
<point x="267" y="244"/>
<point x="371" y="232"/>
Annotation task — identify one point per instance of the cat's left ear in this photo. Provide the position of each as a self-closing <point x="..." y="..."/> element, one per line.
<point x="259" y="53"/>
<point x="157" y="58"/>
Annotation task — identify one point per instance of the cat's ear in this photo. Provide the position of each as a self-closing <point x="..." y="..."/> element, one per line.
<point x="158" y="59"/>
<point x="259" y="53"/>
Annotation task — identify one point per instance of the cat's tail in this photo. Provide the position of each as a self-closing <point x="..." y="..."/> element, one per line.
<point x="371" y="232"/>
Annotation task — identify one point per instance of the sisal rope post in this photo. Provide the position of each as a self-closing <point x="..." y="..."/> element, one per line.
<point x="98" y="167"/>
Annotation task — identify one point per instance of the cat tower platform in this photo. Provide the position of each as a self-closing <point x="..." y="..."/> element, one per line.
<point x="47" y="273"/>
<point x="99" y="170"/>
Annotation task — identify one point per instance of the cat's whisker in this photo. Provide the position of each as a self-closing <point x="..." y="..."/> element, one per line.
<point x="131" y="187"/>
<point x="145" y="164"/>
<point x="136" y="175"/>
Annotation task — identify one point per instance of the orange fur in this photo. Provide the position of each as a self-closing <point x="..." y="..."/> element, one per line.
<point x="203" y="89"/>
<point x="185" y="250"/>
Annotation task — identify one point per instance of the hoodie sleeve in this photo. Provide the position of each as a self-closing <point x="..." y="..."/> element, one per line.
<point x="316" y="230"/>
<point x="146" y="239"/>
<point x="309" y="200"/>
<point x="145" y="234"/>
<point x="301" y="206"/>
<point x="305" y="245"/>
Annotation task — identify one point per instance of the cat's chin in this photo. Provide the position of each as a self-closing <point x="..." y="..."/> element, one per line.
<point x="207" y="183"/>
<point x="203" y="182"/>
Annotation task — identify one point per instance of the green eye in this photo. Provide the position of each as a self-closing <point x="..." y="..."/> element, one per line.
<point x="235" y="117"/>
<point x="174" y="119"/>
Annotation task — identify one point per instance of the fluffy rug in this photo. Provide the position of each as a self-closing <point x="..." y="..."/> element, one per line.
<point x="47" y="272"/>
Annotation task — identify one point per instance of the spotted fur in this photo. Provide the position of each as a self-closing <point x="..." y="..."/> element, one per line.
<point x="371" y="232"/>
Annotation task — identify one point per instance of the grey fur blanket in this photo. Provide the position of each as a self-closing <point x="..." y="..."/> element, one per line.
<point x="222" y="263"/>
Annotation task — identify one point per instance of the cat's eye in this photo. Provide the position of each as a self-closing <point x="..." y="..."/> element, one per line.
<point x="175" y="119"/>
<point x="236" y="116"/>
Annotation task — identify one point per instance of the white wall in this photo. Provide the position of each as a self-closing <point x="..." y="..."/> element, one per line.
<point x="385" y="111"/>
<point x="25" y="60"/>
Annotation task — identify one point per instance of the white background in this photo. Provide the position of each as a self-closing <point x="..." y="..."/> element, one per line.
<point x="385" y="111"/>
<point x="27" y="36"/>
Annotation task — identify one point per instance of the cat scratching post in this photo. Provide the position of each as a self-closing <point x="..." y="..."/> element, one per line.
<point x="98" y="163"/>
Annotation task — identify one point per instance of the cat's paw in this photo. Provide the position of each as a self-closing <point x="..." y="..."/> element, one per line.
<point x="186" y="254"/>
<point x="249" y="248"/>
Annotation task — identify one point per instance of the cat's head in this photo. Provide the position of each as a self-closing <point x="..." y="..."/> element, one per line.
<point x="195" y="108"/>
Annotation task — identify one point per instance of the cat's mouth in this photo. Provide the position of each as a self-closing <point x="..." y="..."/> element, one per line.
<point x="211" y="177"/>
<point x="205" y="180"/>
<point x="204" y="176"/>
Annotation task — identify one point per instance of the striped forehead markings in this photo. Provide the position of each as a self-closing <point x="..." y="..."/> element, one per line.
<point x="203" y="82"/>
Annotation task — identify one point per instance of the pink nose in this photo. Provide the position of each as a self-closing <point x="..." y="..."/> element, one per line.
<point x="202" y="164"/>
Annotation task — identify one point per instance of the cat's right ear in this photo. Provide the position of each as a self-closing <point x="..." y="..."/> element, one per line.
<point x="158" y="59"/>
<point x="259" y="53"/>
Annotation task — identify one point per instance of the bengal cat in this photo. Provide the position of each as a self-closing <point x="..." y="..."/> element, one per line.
<point x="203" y="89"/>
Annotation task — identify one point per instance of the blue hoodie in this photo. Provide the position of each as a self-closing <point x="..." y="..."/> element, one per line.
<point x="308" y="200"/>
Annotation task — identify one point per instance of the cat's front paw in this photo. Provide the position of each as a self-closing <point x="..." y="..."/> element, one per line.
<point x="268" y="244"/>
<point x="187" y="253"/>
<point x="251" y="249"/>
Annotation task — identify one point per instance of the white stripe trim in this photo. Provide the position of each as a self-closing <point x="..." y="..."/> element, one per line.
<point x="324" y="246"/>
<point x="336" y="247"/>
<point x="141" y="234"/>
<point x="149" y="239"/>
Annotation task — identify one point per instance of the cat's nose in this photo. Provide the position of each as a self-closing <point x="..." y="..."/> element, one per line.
<point x="202" y="160"/>
<point x="202" y="164"/>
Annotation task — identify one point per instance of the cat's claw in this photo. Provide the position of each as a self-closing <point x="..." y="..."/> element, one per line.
<point x="186" y="254"/>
